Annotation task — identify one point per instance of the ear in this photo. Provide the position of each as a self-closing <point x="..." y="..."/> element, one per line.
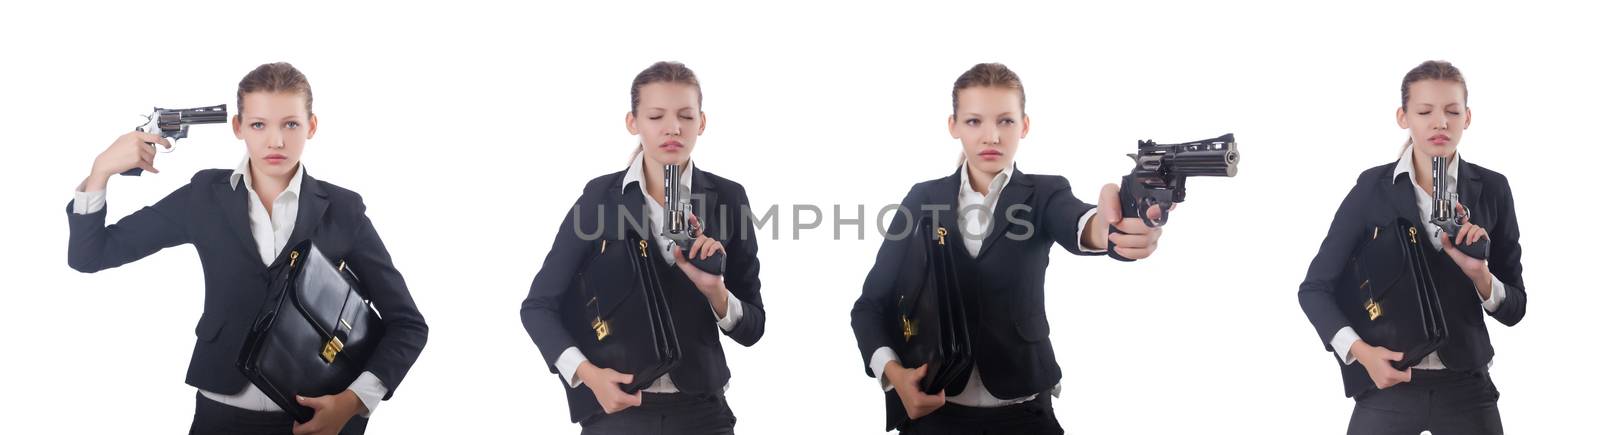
<point x="237" y="133"/>
<point x="1469" y="119"/>
<point x="312" y="126"/>
<point x="952" y="122"/>
<point x="1400" y="118"/>
<point x="702" y="124"/>
<point x="634" y="130"/>
<point x="1025" y="123"/>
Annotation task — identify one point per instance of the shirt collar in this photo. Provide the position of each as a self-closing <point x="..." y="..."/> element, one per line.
<point x="1406" y="162"/>
<point x="636" y="173"/>
<point x="999" y="182"/>
<point x="242" y="173"/>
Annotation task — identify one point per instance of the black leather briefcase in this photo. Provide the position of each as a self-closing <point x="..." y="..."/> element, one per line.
<point x="933" y="319"/>
<point x="1389" y="295"/>
<point x="313" y="335"/>
<point x="626" y="314"/>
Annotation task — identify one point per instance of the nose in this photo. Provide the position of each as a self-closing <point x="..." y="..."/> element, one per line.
<point x="1440" y="122"/>
<point x="275" y="140"/>
<point x="991" y="136"/>
<point x="674" y="128"/>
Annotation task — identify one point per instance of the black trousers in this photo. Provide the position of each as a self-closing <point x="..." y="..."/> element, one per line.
<point x="212" y="417"/>
<point x="1446" y="402"/>
<point x="667" y="414"/>
<point x="1032" y="417"/>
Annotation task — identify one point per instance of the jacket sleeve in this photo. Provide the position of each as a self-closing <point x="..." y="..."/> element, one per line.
<point x="743" y="277"/>
<point x="405" y="331"/>
<point x="1317" y="290"/>
<point x="872" y="318"/>
<point x="93" y="246"/>
<point x="541" y="315"/>
<point x="1062" y="212"/>
<point x="1505" y="260"/>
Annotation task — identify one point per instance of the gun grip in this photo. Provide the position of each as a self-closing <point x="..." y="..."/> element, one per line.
<point x="133" y="172"/>
<point x="1478" y="249"/>
<point x="712" y="265"/>
<point x="1111" y="247"/>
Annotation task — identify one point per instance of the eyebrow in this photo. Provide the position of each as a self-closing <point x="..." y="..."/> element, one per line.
<point x="979" y="115"/>
<point x="258" y="118"/>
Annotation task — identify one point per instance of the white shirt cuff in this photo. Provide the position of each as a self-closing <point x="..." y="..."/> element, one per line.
<point x="1341" y="343"/>
<point x="880" y="361"/>
<point x="370" y="390"/>
<point x="568" y="364"/>
<point x="735" y="312"/>
<point x="1497" y="294"/>
<point x="88" y="202"/>
<point x="1083" y="222"/>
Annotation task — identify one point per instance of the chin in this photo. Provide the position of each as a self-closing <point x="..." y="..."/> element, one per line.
<point x="988" y="166"/>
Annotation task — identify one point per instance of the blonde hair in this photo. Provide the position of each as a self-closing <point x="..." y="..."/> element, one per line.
<point x="275" y="77"/>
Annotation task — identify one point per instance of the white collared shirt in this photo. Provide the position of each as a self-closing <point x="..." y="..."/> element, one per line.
<point x="975" y="218"/>
<point x="271" y="232"/>
<point x="571" y="358"/>
<point x="1347" y="336"/>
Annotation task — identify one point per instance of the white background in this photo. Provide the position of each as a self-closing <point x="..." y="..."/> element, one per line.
<point x="470" y="129"/>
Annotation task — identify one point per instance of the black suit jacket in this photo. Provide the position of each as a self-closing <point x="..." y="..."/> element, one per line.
<point x="1003" y="284"/>
<point x="553" y="309"/>
<point x="213" y="215"/>
<point x="1379" y="197"/>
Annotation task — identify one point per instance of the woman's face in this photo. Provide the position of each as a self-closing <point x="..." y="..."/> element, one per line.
<point x="667" y="121"/>
<point x="989" y="121"/>
<point x="274" y="127"/>
<point x="1436" y="116"/>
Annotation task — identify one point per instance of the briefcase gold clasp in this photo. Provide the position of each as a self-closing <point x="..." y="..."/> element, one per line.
<point x="908" y="327"/>
<point x="332" y="349"/>
<point x="602" y="329"/>
<point x="1373" y="310"/>
<point x="941" y="231"/>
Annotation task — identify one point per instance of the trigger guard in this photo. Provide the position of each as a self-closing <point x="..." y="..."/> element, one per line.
<point x="1144" y="212"/>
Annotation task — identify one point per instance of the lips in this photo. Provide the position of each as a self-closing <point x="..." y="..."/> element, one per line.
<point x="671" y="145"/>
<point x="989" y="154"/>
<point x="1439" y="139"/>
<point x="275" y="158"/>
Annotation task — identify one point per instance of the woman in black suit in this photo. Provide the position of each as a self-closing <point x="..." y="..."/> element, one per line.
<point x="1449" y="391"/>
<point x="1014" y="374"/>
<point x="240" y="220"/>
<point x="666" y="116"/>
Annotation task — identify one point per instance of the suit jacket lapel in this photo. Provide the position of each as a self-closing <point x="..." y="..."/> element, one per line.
<point x="235" y="205"/>
<point x="944" y="205"/>
<point x="1403" y="197"/>
<point x="711" y="223"/>
<point x="628" y="201"/>
<point x="1017" y="191"/>
<point x="1468" y="187"/>
<point x="313" y="204"/>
